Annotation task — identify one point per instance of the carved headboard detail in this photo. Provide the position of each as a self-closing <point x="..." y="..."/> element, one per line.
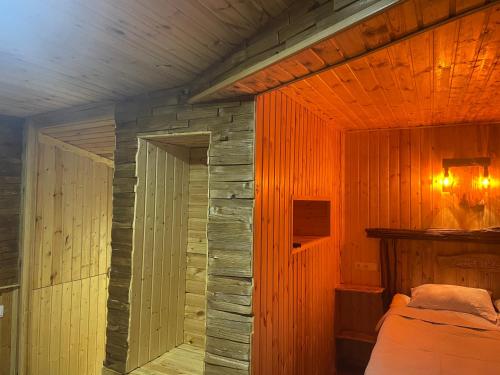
<point x="411" y="258"/>
<point x="467" y="261"/>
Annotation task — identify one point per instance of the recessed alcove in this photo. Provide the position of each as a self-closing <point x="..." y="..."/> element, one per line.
<point x="171" y="245"/>
<point x="311" y="221"/>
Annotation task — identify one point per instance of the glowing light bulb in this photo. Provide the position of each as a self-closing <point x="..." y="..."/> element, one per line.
<point x="446" y="181"/>
<point x="485" y="182"/>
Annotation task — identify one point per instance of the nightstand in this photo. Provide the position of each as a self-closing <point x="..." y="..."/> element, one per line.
<point x="358" y="310"/>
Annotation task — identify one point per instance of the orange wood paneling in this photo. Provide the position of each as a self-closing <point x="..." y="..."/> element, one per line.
<point x="297" y="154"/>
<point x="390" y="26"/>
<point x="448" y="75"/>
<point x="392" y="179"/>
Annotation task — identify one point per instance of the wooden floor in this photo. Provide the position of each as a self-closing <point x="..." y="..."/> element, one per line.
<point x="183" y="360"/>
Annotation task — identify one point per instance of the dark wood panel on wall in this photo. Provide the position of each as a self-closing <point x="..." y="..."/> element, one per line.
<point x="11" y="138"/>
<point x="297" y="155"/>
<point x="393" y="179"/>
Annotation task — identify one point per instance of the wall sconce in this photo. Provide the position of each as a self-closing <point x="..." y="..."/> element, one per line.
<point x="485" y="181"/>
<point x="448" y="180"/>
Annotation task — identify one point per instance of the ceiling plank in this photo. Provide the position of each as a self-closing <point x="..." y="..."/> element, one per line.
<point x="392" y="24"/>
<point x="327" y="25"/>
<point x="447" y="75"/>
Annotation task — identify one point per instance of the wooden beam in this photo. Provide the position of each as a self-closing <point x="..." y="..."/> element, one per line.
<point x="478" y="236"/>
<point x="384" y="47"/>
<point x="336" y="22"/>
<point x="77" y="150"/>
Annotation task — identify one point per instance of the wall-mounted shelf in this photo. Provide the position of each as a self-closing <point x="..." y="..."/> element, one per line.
<point x="311" y="222"/>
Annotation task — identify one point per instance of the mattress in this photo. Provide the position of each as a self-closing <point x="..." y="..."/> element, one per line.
<point x="417" y="341"/>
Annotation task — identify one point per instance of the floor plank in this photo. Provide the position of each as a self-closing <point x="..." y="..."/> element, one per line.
<point x="183" y="360"/>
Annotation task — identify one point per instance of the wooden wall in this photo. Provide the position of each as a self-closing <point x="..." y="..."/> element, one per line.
<point x="231" y="192"/>
<point x="444" y="262"/>
<point x="297" y="154"/>
<point x="392" y="179"/>
<point x="70" y="261"/>
<point x="8" y="331"/>
<point x="160" y="241"/>
<point x="197" y="249"/>
<point x="11" y="141"/>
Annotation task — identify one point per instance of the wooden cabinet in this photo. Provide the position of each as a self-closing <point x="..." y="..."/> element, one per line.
<point x="358" y="310"/>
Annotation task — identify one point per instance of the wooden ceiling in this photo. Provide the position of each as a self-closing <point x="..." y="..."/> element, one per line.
<point x="97" y="137"/>
<point x="88" y="127"/>
<point x="390" y="26"/>
<point x="447" y="75"/>
<point x="57" y="54"/>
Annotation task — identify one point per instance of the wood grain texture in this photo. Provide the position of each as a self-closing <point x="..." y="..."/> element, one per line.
<point x="70" y="261"/>
<point x="490" y="235"/>
<point x="297" y="154"/>
<point x="197" y="250"/>
<point x="256" y="67"/>
<point x="161" y="235"/>
<point x="11" y="143"/>
<point x="8" y="331"/>
<point x="393" y="180"/>
<point x="97" y="137"/>
<point x="416" y="262"/>
<point x="443" y="76"/>
<point x="185" y="359"/>
<point x="114" y="49"/>
<point x="229" y="231"/>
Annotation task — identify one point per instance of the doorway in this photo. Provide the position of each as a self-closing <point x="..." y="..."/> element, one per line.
<point x="170" y="241"/>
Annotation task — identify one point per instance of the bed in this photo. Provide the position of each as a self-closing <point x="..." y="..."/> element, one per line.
<point x="415" y="341"/>
<point x="427" y="341"/>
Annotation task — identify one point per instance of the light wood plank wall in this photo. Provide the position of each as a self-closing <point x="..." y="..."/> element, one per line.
<point x="197" y="250"/>
<point x="71" y="258"/>
<point x="392" y="179"/>
<point x="297" y="154"/>
<point x="159" y="259"/>
<point x="8" y="331"/>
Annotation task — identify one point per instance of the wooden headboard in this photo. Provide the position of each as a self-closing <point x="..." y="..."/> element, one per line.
<point x="411" y="258"/>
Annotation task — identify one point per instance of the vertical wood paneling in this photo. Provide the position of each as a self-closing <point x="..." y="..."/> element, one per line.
<point x="408" y="193"/>
<point x="8" y="331"/>
<point x="11" y="137"/>
<point x="197" y="250"/>
<point x="158" y="285"/>
<point x="297" y="154"/>
<point x="11" y="140"/>
<point x="66" y="329"/>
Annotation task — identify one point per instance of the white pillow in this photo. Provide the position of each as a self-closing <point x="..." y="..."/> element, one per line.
<point x="400" y="300"/>
<point x="454" y="298"/>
